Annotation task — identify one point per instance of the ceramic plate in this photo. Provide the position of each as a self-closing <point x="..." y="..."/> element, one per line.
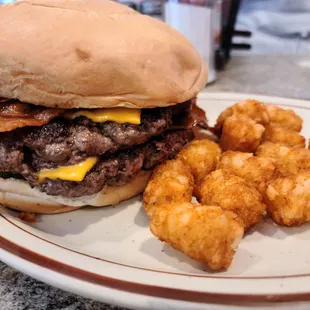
<point x="110" y="255"/>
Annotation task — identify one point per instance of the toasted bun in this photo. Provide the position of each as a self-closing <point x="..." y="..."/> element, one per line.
<point x="94" y="54"/>
<point x="18" y="195"/>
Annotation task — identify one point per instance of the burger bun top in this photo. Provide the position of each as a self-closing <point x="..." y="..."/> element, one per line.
<point x="94" y="54"/>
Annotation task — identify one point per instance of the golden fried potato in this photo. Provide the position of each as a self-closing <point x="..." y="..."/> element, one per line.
<point x="221" y="119"/>
<point x="232" y="193"/>
<point x="271" y="150"/>
<point x="201" y="156"/>
<point x="253" y="109"/>
<point x="288" y="199"/>
<point x="256" y="171"/>
<point x="240" y="133"/>
<point x="207" y="234"/>
<point x="284" y="136"/>
<point x="170" y="182"/>
<point x="284" y="118"/>
<point x="288" y="160"/>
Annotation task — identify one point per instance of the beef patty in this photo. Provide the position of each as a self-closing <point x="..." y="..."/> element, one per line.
<point x="116" y="169"/>
<point x="123" y="149"/>
<point x="63" y="142"/>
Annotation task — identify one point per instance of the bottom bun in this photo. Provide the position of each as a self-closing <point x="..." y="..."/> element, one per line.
<point x="17" y="194"/>
<point x="32" y="204"/>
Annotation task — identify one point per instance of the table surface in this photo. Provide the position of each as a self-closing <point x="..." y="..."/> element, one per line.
<point x="284" y="76"/>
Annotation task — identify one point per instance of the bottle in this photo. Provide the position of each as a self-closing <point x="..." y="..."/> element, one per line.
<point x="200" y="22"/>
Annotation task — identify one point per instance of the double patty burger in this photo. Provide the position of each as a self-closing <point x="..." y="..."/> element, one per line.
<point x="93" y="97"/>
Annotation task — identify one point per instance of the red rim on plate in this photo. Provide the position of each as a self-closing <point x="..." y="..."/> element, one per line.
<point x="146" y="289"/>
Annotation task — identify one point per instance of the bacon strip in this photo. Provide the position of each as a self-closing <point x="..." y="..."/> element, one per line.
<point x="198" y="117"/>
<point x="16" y="115"/>
<point x="189" y="116"/>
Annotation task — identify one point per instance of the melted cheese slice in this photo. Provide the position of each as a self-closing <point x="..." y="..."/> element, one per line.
<point x="118" y="115"/>
<point x="69" y="173"/>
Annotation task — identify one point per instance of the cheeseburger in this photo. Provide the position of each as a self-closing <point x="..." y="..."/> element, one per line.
<point x="93" y="96"/>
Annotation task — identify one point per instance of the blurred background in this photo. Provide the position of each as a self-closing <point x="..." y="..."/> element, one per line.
<point x="277" y="26"/>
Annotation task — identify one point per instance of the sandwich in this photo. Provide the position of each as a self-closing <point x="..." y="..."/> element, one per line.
<point x="93" y="96"/>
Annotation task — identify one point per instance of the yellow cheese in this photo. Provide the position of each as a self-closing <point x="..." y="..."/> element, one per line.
<point x="119" y="115"/>
<point x="69" y="173"/>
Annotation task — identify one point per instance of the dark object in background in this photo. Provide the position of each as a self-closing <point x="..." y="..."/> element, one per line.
<point x="129" y="4"/>
<point x="230" y="11"/>
<point x="153" y="8"/>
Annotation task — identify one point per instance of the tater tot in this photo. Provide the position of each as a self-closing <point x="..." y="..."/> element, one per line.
<point x="253" y="109"/>
<point x="205" y="233"/>
<point x="256" y="171"/>
<point x="241" y="134"/>
<point x="283" y="136"/>
<point x="170" y="182"/>
<point x="221" y="119"/>
<point x="284" y="118"/>
<point x="201" y="156"/>
<point x="232" y="193"/>
<point x="289" y="160"/>
<point x="271" y="150"/>
<point x="287" y="199"/>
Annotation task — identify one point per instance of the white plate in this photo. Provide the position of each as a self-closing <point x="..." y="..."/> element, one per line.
<point x="110" y="255"/>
